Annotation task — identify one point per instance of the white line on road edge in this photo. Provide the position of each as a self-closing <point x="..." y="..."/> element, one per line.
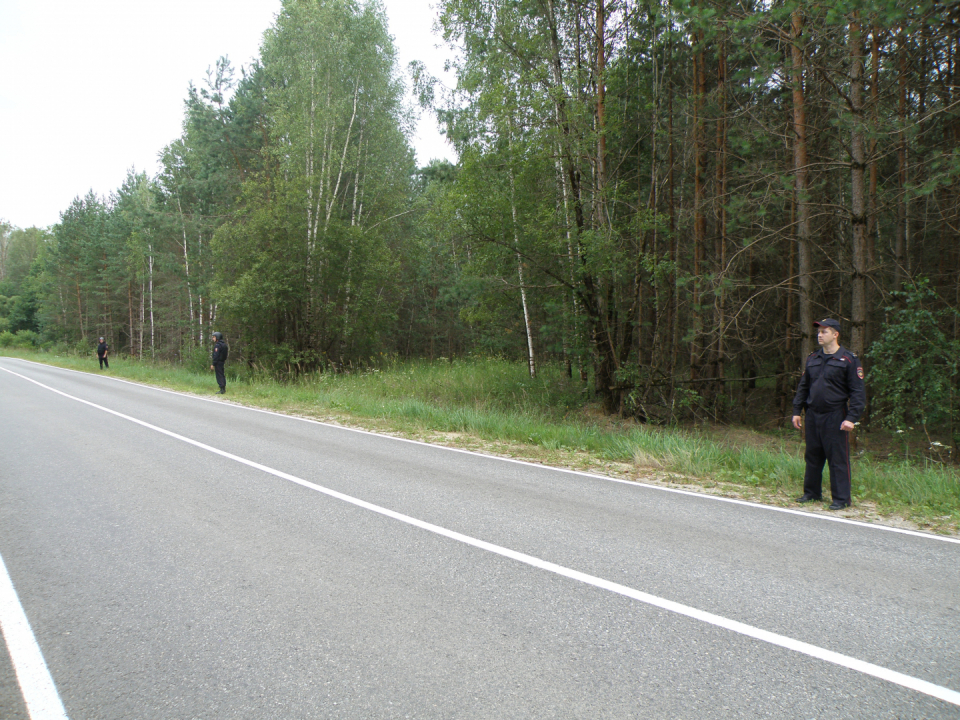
<point x="921" y="686"/>
<point x="634" y="483"/>
<point x="36" y="685"/>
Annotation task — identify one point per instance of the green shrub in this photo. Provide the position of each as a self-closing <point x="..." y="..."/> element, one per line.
<point x="197" y="360"/>
<point x="915" y="364"/>
<point x="26" y="339"/>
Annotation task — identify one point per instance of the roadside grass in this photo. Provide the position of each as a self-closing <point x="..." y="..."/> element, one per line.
<point x="493" y="406"/>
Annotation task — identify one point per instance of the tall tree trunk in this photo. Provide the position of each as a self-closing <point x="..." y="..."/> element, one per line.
<point x="858" y="195"/>
<point x="142" y="294"/>
<point x="63" y="305"/>
<point x="699" y="200"/>
<point x="572" y="271"/>
<point x="308" y="170"/>
<point x="802" y="191"/>
<point x="531" y="363"/>
<point x="601" y="123"/>
<point x="186" y="267"/>
<point x="83" y="332"/>
<point x="652" y="203"/>
<point x="899" y="252"/>
<point x="153" y="350"/>
<point x="673" y="324"/>
<point x="200" y="275"/>
<point x="107" y="305"/>
<point x="920" y="153"/>
<point x="356" y="211"/>
<point x="721" y="192"/>
<point x="872" y="224"/>
<point x="587" y="290"/>
<point x="130" y="309"/>
<point x="603" y="327"/>
<point x="570" y="179"/>
<point x="788" y="360"/>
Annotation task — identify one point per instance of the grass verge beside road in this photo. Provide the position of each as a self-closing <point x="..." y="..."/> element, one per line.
<point x="493" y="406"/>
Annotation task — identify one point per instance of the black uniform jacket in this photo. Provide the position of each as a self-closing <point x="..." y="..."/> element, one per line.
<point x="102" y="349"/>
<point x="831" y="382"/>
<point x="219" y="352"/>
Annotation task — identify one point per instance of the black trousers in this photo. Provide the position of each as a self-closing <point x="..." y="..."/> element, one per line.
<point x="221" y="378"/>
<point x="826" y="442"/>
<point x="104" y="363"/>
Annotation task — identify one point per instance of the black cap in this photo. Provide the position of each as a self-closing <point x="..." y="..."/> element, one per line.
<point x="828" y="322"/>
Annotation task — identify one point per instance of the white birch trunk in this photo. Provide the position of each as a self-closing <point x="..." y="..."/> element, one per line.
<point x="143" y="294"/>
<point x="186" y="263"/>
<point x="331" y="198"/>
<point x="308" y="170"/>
<point x="200" y="295"/>
<point x="63" y="305"/>
<point x="516" y="243"/>
<point x="153" y="352"/>
<point x="356" y="178"/>
<point x="354" y="219"/>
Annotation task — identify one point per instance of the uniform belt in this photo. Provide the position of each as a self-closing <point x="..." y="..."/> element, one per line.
<point x="826" y="410"/>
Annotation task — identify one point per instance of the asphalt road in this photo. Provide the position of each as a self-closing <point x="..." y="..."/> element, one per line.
<point x="183" y="557"/>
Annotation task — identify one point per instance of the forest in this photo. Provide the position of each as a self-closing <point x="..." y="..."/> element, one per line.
<point x="659" y="197"/>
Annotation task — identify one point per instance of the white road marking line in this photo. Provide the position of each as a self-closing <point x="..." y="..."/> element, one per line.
<point x="912" y="683"/>
<point x="36" y="684"/>
<point x="580" y="473"/>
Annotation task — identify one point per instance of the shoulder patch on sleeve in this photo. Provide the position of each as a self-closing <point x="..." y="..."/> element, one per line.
<point x="860" y="373"/>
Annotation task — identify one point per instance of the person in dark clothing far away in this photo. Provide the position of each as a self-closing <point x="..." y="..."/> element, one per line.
<point x="103" y="351"/>
<point x="832" y="392"/>
<point x="217" y="359"/>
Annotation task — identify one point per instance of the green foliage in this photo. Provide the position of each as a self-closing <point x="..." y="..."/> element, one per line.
<point x="197" y="360"/>
<point x="21" y="310"/>
<point x="915" y="364"/>
<point x="21" y="288"/>
<point x="643" y="216"/>
<point x="22" y="249"/>
<point x="307" y="256"/>
<point x="21" y="339"/>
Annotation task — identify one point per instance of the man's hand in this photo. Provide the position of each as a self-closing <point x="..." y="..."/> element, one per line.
<point x="211" y="367"/>
<point x="797" y="422"/>
<point x="846" y="426"/>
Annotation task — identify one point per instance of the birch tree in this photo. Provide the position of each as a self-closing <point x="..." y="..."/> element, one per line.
<point x="342" y="164"/>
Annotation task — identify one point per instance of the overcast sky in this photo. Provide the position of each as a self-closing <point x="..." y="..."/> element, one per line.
<point x="91" y="88"/>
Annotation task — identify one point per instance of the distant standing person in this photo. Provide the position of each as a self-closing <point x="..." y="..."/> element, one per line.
<point x="832" y="392"/>
<point x="218" y="358"/>
<point x="103" y="351"/>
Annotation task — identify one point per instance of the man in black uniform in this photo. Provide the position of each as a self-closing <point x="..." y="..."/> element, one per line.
<point x="103" y="350"/>
<point x="832" y="392"/>
<point x="218" y="358"/>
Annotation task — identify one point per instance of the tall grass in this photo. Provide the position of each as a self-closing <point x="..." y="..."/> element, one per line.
<point x="496" y="401"/>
